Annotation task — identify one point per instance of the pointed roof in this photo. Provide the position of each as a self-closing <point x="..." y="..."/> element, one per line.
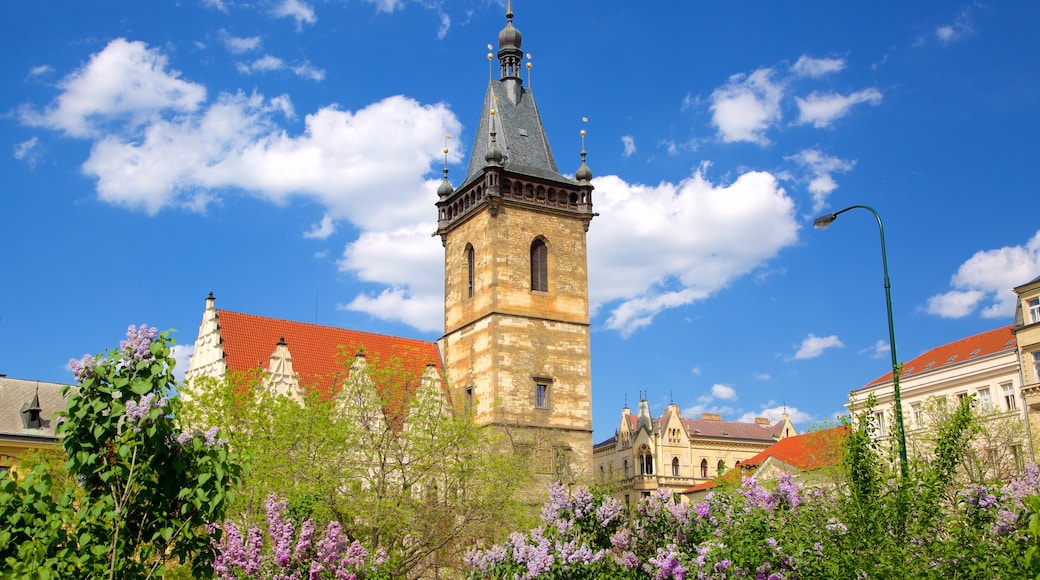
<point x="984" y="344"/>
<point x="319" y="353"/>
<point x="519" y="135"/>
<point x="713" y="429"/>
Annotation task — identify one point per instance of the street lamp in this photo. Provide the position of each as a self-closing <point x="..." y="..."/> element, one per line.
<point x="821" y="223"/>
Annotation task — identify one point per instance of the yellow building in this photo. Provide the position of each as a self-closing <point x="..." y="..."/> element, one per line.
<point x="1027" y="334"/>
<point x="677" y="453"/>
<point x="27" y="411"/>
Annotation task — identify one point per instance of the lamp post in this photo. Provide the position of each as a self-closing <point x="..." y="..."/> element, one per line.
<point x="821" y="223"/>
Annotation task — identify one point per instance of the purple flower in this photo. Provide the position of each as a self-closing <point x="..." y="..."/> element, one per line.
<point x="137" y="346"/>
<point x="83" y="369"/>
<point x="609" y="511"/>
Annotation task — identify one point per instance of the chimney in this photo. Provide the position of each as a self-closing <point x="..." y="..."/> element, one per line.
<point x="764" y="421"/>
<point x="711" y="416"/>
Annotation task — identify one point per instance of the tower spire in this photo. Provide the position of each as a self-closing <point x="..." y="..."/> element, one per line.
<point x="583" y="173"/>
<point x="445" y="188"/>
<point x="509" y="53"/>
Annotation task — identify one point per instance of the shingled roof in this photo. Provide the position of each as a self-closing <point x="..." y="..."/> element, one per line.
<point x="991" y="342"/>
<point x="320" y="354"/>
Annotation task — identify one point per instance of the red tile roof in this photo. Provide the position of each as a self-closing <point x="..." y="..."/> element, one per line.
<point x="808" y="451"/>
<point x="966" y="349"/>
<point x="319" y="353"/>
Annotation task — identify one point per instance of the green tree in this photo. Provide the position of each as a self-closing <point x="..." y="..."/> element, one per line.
<point x="385" y="454"/>
<point x="145" y="489"/>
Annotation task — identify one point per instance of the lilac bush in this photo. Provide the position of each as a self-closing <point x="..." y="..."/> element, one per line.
<point x="764" y="530"/>
<point x="288" y="554"/>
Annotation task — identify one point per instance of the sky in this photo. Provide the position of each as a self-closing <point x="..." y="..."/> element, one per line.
<point x="285" y="154"/>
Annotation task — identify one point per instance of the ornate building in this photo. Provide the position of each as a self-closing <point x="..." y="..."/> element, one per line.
<point x="515" y="350"/>
<point x="516" y="307"/>
<point x="677" y="453"/>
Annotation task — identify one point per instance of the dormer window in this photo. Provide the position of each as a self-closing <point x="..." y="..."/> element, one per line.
<point x="1034" y="309"/>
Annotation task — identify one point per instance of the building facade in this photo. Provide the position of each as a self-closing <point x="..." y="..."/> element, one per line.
<point x="27" y="422"/>
<point x="984" y="367"/>
<point x="1027" y="335"/>
<point x="676" y="453"/>
<point x="516" y="310"/>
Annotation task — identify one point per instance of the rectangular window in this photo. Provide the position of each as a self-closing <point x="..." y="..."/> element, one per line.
<point x="878" y="424"/>
<point x="1036" y="366"/>
<point x="1034" y="309"/>
<point x="470" y="268"/>
<point x="469" y="399"/>
<point x="985" y="399"/>
<point x="541" y="396"/>
<point x="1009" y="397"/>
<point x="918" y="415"/>
<point x="539" y="266"/>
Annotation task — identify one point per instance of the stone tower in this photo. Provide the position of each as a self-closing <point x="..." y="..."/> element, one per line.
<point x="516" y="308"/>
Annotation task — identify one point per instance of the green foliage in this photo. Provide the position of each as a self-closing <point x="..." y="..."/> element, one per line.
<point x="144" y="490"/>
<point x="384" y="455"/>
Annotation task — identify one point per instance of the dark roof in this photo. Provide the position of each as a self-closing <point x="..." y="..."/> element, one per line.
<point x="519" y="134"/>
<point x="17" y="395"/>
<point x="713" y="429"/>
<point x="981" y="345"/>
<point x="319" y="353"/>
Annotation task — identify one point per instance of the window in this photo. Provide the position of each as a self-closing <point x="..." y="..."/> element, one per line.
<point x="539" y="266"/>
<point x="469" y="399"/>
<point x="721" y="467"/>
<point x="646" y="461"/>
<point x="985" y="399"/>
<point x="704" y="468"/>
<point x="918" y="415"/>
<point x="675" y="467"/>
<point x="626" y="473"/>
<point x="1009" y="396"/>
<point x="877" y="424"/>
<point x="1036" y="366"/>
<point x="469" y="271"/>
<point x="541" y="396"/>
<point x="1034" y="309"/>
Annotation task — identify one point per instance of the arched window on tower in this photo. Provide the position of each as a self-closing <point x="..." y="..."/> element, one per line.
<point x="704" y="468"/>
<point x="675" y="467"/>
<point x="626" y="469"/>
<point x="539" y="266"/>
<point x="469" y="271"/>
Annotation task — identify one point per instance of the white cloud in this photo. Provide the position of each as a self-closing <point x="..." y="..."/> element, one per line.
<point x="296" y="9"/>
<point x="321" y="230"/>
<point x="40" y="70"/>
<point x="762" y="376"/>
<point x="30" y="151"/>
<point x="442" y="31"/>
<point x="746" y="106"/>
<point x="267" y="63"/>
<point x="630" y="144"/>
<point x="388" y="6"/>
<point x="306" y="70"/>
<point x="724" y="392"/>
<point x="823" y="109"/>
<point x="988" y="278"/>
<point x="879" y="349"/>
<point x="182" y="357"/>
<point x="218" y="4"/>
<point x="960" y="28"/>
<point x="659" y="247"/>
<point x="239" y="45"/>
<point x="775" y="413"/>
<point x="821" y="168"/>
<point x="807" y="66"/>
<point x="125" y="82"/>
<point x="813" y="346"/>
<point x="407" y="263"/>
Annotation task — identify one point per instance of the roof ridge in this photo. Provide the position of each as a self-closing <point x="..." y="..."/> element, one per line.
<point x="219" y="310"/>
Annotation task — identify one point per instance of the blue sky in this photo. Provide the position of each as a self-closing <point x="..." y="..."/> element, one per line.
<point x="284" y="154"/>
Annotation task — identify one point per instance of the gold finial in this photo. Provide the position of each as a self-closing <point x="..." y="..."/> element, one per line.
<point x="491" y="74"/>
<point x="529" y="70"/>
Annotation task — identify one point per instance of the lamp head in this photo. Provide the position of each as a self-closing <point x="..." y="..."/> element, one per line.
<point x="823" y="221"/>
